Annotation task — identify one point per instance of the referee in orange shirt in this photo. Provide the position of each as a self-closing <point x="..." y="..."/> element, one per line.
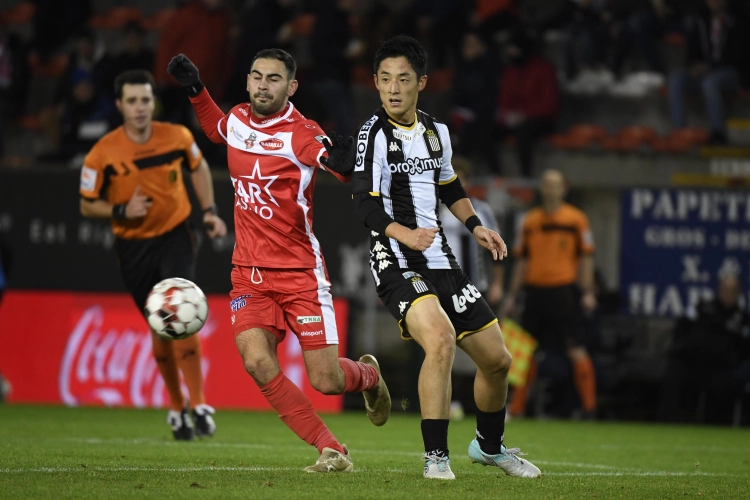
<point x="555" y="266"/>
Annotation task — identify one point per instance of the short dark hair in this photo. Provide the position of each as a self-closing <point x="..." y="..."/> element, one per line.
<point x="403" y="46"/>
<point x="279" y="55"/>
<point x="133" y="77"/>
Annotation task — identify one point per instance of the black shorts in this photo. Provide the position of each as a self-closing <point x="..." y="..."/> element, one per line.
<point x="399" y="289"/>
<point x="144" y="263"/>
<point x="553" y="316"/>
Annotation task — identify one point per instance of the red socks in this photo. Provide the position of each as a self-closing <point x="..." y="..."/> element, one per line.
<point x="359" y="376"/>
<point x="296" y="411"/>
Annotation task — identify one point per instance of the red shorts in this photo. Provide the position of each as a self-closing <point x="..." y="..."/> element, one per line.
<point x="281" y="299"/>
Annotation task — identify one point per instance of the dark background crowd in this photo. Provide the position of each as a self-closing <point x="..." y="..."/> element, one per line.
<point x="500" y="69"/>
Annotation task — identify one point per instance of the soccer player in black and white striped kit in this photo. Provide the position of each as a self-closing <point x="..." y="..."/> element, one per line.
<point x="402" y="172"/>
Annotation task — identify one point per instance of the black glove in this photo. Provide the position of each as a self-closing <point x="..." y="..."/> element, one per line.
<point x="186" y="73"/>
<point x="341" y="155"/>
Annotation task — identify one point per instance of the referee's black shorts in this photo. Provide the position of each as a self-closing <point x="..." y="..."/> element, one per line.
<point x="144" y="263"/>
<point x="553" y="316"/>
<point x="399" y="289"/>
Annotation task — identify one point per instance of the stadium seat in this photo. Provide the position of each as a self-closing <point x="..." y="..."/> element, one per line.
<point x="116" y="18"/>
<point x="693" y="136"/>
<point x="22" y="13"/>
<point x="302" y="25"/>
<point x="53" y="67"/>
<point x="592" y="133"/>
<point x="637" y="135"/>
<point x="440" y="80"/>
<point x="158" y="20"/>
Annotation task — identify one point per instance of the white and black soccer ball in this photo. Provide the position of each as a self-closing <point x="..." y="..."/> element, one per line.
<point x="176" y="308"/>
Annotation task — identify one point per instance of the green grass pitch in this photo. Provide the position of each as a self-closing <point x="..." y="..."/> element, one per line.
<point x="56" y="452"/>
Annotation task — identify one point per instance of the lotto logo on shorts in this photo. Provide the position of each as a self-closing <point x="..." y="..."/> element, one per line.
<point x="239" y="303"/>
<point x="468" y="294"/>
<point x="419" y="285"/>
<point x="303" y="320"/>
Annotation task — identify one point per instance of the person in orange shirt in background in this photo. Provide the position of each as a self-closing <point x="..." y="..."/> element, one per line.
<point x="133" y="176"/>
<point x="555" y="266"/>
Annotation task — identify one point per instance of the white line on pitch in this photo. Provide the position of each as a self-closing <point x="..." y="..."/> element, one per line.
<point x="57" y="470"/>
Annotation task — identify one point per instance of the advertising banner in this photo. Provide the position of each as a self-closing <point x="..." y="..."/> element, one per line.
<point x="677" y="242"/>
<point x="95" y="349"/>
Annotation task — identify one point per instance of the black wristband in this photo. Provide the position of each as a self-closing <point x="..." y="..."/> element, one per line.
<point x="212" y="208"/>
<point x="118" y="211"/>
<point x="472" y="222"/>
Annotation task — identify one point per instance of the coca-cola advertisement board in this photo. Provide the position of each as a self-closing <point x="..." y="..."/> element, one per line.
<point x="95" y="349"/>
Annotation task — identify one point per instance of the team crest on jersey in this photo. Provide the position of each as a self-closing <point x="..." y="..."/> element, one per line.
<point x="250" y="141"/>
<point x="433" y="140"/>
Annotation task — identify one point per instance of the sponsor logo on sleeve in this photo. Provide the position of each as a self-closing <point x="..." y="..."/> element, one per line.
<point x="304" y="320"/>
<point x="320" y="138"/>
<point x="88" y="179"/>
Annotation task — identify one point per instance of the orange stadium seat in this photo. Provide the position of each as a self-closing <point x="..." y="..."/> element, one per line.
<point x="302" y="25"/>
<point x="116" y="18"/>
<point x="53" y="67"/>
<point x="690" y="135"/>
<point x="588" y="132"/>
<point x="159" y="20"/>
<point x="637" y="135"/>
<point x="22" y="13"/>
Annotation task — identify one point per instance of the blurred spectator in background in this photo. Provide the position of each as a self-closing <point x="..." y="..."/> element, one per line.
<point x="555" y="267"/>
<point x="710" y="355"/>
<point x="200" y="30"/>
<point x="529" y="102"/>
<point x="333" y="49"/>
<point x="86" y="116"/>
<point x="717" y="66"/>
<point x="440" y="25"/>
<point x="55" y="22"/>
<point x="474" y="98"/>
<point x="263" y="24"/>
<point x="77" y="98"/>
<point x="491" y="16"/>
<point x="14" y="77"/>
<point x="484" y="272"/>
<point x="134" y="55"/>
<point x="4" y="265"/>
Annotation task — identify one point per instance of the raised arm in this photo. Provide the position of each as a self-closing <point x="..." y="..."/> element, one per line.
<point x="212" y="119"/>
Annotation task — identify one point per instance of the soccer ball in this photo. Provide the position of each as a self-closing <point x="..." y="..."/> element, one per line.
<point x="176" y="308"/>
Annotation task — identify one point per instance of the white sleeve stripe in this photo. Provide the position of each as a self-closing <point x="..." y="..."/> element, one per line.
<point x="320" y="155"/>
<point x="218" y="126"/>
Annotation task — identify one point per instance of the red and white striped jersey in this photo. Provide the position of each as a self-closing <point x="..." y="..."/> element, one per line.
<point x="273" y="164"/>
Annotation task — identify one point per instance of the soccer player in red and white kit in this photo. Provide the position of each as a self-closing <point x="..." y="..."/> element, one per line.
<point x="279" y="280"/>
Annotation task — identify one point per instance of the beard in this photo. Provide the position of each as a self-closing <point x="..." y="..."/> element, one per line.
<point x="268" y="107"/>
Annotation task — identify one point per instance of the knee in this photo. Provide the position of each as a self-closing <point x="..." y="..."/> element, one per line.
<point x="326" y="384"/>
<point x="257" y="366"/>
<point x="441" y="346"/>
<point x="500" y="363"/>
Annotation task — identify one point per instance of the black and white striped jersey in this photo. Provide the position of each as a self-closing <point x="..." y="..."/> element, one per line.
<point x="403" y="167"/>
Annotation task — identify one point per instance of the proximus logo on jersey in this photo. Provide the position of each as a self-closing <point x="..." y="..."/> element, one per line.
<point x="416" y="165"/>
<point x="468" y="294"/>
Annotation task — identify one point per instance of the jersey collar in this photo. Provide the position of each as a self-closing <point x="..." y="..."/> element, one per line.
<point x="273" y="119"/>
